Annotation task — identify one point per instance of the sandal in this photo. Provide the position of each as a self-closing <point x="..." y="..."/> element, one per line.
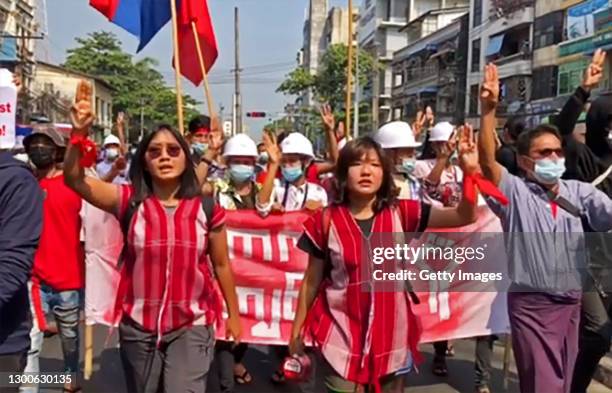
<point x="450" y="351"/>
<point x="75" y="389"/>
<point x="278" y="378"/>
<point x="439" y="367"/>
<point x="243" y="379"/>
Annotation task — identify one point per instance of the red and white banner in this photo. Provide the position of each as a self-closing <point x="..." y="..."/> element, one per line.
<point x="451" y="313"/>
<point x="268" y="270"/>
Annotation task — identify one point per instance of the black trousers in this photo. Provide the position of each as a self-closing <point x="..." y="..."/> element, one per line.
<point x="13" y="363"/>
<point x="595" y="337"/>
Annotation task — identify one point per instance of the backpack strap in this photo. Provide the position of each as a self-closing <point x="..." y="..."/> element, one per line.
<point x="208" y="205"/>
<point x="126" y="220"/>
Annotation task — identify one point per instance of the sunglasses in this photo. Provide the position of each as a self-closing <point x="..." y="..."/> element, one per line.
<point x="549" y="152"/>
<point x="155" y="152"/>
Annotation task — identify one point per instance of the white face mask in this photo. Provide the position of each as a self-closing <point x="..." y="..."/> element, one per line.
<point x="112" y="154"/>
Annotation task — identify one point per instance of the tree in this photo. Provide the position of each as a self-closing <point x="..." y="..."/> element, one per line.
<point x="329" y="84"/>
<point x="136" y="85"/>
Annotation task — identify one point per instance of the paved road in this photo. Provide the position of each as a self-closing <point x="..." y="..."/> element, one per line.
<point x="108" y="375"/>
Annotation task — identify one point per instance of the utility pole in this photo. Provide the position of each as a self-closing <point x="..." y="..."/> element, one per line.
<point x="357" y="93"/>
<point x="237" y="70"/>
<point x="349" y="68"/>
<point x="141" y="119"/>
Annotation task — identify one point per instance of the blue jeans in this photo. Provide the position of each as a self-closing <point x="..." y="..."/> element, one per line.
<point x="65" y="307"/>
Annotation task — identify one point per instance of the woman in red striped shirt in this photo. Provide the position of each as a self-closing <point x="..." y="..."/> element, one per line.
<point x="167" y="299"/>
<point x="365" y="336"/>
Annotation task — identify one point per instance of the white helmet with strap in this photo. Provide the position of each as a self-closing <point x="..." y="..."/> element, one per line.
<point x="111" y="140"/>
<point x="240" y="145"/>
<point x="296" y="143"/>
<point x="396" y="135"/>
<point x="441" y="132"/>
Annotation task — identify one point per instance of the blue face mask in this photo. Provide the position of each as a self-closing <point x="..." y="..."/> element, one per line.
<point x="293" y="173"/>
<point x="547" y="171"/>
<point x="408" y="166"/>
<point x="199" y="148"/>
<point x="241" y="173"/>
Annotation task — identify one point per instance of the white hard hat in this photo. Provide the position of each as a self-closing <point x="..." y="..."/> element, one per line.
<point x="111" y="140"/>
<point x="240" y="145"/>
<point x="396" y="135"/>
<point x="296" y="143"/>
<point x="441" y="132"/>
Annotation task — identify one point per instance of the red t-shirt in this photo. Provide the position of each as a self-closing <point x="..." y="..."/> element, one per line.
<point x="59" y="260"/>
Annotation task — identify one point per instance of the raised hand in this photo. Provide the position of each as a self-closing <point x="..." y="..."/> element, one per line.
<point x="17" y="82"/>
<point x="274" y="153"/>
<point x="327" y="116"/>
<point x="468" y="151"/>
<point x="594" y="72"/>
<point x="120" y="163"/>
<point x="81" y="113"/>
<point x="120" y="119"/>
<point x="419" y="123"/>
<point x="489" y="91"/>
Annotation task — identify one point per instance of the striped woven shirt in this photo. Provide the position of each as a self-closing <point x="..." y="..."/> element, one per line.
<point x="167" y="281"/>
<point x="363" y="334"/>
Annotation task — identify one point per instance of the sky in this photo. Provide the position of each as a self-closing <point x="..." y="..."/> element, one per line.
<point x="270" y="37"/>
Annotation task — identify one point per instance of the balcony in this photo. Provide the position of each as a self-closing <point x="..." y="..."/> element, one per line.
<point x="509" y="46"/>
<point x="504" y="8"/>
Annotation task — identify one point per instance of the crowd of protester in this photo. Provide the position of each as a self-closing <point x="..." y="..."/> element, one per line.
<point x="57" y="212"/>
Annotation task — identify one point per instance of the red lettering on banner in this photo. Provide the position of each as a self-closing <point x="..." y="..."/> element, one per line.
<point x="3" y="130"/>
<point x="5" y="108"/>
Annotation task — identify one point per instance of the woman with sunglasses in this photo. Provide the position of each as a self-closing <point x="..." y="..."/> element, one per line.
<point x="365" y="336"/>
<point x="167" y="299"/>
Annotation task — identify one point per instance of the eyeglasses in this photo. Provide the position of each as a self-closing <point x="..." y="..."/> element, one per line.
<point x="156" y="152"/>
<point x="549" y="152"/>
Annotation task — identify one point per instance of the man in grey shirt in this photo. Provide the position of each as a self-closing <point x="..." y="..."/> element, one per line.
<point x="543" y="226"/>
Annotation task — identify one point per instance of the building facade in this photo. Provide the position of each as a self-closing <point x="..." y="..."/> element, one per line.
<point x="566" y="34"/>
<point x="53" y="90"/>
<point x="312" y="47"/>
<point x="19" y="31"/>
<point x="428" y="71"/>
<point x="500" y="33"/>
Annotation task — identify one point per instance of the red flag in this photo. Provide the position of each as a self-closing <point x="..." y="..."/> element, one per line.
<point x="195" y="11"/>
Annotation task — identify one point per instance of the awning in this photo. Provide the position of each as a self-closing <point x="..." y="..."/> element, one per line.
<point x="605" y="48"/>
<point x="442" y="53"/>
<point x="429" y="89"/>
<point x="495" y="45"/>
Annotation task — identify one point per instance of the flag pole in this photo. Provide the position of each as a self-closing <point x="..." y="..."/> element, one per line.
<point x="207" y="92"/>
<point x="177" y="69"/>
<point x="349" y="69"/>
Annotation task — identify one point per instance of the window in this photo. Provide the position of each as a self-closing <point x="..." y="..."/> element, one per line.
<point x="474" y="94"/>
<point x="544" y="82"/>
<point x="398" y="79"/>
<point x="476" y="55"/>
<point x="477" y="13"/>
<point x="397" y="113"/>
<point x="548" y="30"/>
<point x="570" y="75"/>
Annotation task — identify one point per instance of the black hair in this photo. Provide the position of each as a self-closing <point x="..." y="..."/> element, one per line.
<point x="428" y="151"/>
<point x="352" y="153"/>
<point x="141" y="178"/>
<point x="515" y="126"/>
<point x="524" y="141"/>
<point x="201" y="121"/>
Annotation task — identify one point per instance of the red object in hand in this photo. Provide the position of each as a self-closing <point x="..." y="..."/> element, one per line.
<point x="486" y="187"/>
<point x="297" y="368"/>
<point x="87" y="148"/>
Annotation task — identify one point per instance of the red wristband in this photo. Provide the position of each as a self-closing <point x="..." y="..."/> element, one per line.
<point x="474" y="182"/>
<point x="87" y="148"/>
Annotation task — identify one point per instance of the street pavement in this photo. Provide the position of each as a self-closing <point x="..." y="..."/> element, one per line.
<point x="108" y="375"/>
